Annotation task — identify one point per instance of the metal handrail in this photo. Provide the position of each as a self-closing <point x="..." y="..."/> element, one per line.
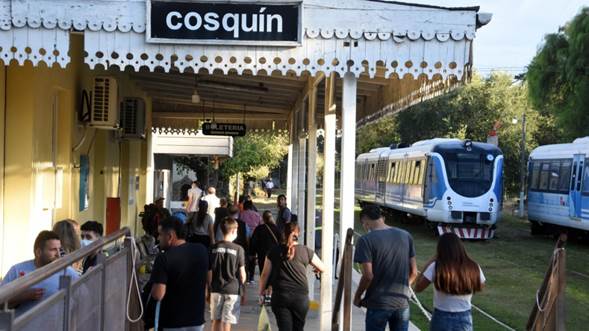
<point x="21" y="284"/>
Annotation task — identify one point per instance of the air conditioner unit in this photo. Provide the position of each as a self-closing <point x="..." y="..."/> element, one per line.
<point x="133" y="118"/>
<point x="104" y="110"/>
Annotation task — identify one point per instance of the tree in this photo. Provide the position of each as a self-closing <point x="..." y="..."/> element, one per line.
<point x="466" y="113"/>
<point x="558" y="78"/>
<point x="255" y="151"/>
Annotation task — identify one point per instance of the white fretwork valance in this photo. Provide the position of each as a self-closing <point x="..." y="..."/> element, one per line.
<point x="400" y="57"/>
<point x="35" y="45"/>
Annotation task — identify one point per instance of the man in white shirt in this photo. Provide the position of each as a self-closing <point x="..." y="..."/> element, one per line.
<point x="212" y="200"/>
<point x="194" y="194"/>
<point x="269" y="186"/>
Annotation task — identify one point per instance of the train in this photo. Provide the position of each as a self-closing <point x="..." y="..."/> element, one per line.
<point x="455" y="185"/>
<point x="558" y="187"/>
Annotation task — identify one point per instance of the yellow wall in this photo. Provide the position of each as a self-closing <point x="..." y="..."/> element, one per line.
<point x="41" y="169"/>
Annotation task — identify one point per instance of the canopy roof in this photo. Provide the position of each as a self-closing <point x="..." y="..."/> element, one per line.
<point x="401" y="52"/>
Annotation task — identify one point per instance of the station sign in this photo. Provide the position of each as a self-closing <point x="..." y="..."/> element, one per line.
<point x="224" y="23"/>
<point x="224" y="129"/>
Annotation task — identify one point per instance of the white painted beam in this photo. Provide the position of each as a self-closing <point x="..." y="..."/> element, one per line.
<point x="328" y="202"/>
<point x="301" y="185"/>
<point x="348" y="157"/>
<point x="312" y="176"/>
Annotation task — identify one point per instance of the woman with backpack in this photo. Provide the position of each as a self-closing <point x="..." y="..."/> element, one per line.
<point x="456" y="277"/>
<point x="285" y="269"/>
<point x="199" y="229"/>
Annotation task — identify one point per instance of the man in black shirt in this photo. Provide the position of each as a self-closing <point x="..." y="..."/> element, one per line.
<point x="226" y="277"/>
<point x="179" y="279"/>
<point x="284" y="214"/>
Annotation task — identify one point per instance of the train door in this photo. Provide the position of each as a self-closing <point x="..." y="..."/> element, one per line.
<point x="585" y="193"/>
<point x="381" y="182"/>
<point x="575" y="195"/>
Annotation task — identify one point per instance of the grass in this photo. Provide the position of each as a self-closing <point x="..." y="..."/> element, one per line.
<point x="514" y="264"/>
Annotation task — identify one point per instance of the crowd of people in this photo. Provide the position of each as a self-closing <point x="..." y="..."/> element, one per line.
<point x="207" y="257"/>
<point x="211" y="255"/>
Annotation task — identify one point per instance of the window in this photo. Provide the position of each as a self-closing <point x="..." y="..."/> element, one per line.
<point x="554" y="176"/>
<point x="535" y="176"/>
<point x="397" y="172"/>
<point x="544" y="176"/>
<point x="408" y="169"/>
<point x="586" y="177"/>
<point x="565" y="175"/>
<point x="410" y="172"/>
<point x="392" y="172"/>
<point x="418" y="173"/>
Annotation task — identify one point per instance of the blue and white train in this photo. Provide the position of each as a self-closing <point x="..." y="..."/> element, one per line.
<point x="455" y="184"/>
<point x="558" y="187"/>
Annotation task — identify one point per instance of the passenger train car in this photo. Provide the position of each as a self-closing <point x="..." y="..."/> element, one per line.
<point x="558" y="186"/>
<point x="454" y="184"/>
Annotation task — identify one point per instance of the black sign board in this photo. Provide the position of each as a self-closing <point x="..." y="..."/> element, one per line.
<point x="223" y="129"/>
<point x="181" y="22"/>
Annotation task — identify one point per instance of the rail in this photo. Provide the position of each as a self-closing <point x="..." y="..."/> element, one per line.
<point x="344" y="287"/>
<point x="98" y="300"/>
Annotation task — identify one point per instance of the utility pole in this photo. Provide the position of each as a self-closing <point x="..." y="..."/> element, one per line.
<point x="523" y="168"/>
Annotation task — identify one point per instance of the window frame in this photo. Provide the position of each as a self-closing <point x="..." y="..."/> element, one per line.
<point x="535" y="180"/>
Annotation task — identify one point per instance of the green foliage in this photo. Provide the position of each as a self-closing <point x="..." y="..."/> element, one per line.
<point x="558" y="78"/>
<point x="469" y="112"/>
<point x="255" y="153"/>
<point x="377" y="134"/>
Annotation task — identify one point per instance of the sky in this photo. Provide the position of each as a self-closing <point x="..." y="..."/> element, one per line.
<point x="511" y="39"/>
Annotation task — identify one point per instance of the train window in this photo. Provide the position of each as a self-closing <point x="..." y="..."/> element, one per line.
<point x="544" y="176"/>
<point x="396" y="174"/>
<point x="535" y="176"/>
<point x="410" y="172"/>
<point x="565" y="176"/>
<point x="403" y="171"/>
<point x="586" y="177"/>
<point x="554" y="176"/>
<point x="418" y="173"/>
<point x="407" y="172"/>
<point x="391" y="172"/>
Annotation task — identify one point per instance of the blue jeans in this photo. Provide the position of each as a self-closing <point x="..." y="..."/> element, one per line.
<point x="397" y="319"/>
<point x="447" y="321"/>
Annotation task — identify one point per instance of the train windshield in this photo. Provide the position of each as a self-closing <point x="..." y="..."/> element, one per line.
<point x="469" y="174"/>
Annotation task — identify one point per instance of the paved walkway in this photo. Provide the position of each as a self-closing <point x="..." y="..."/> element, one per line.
<point x="250" y="313"/>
